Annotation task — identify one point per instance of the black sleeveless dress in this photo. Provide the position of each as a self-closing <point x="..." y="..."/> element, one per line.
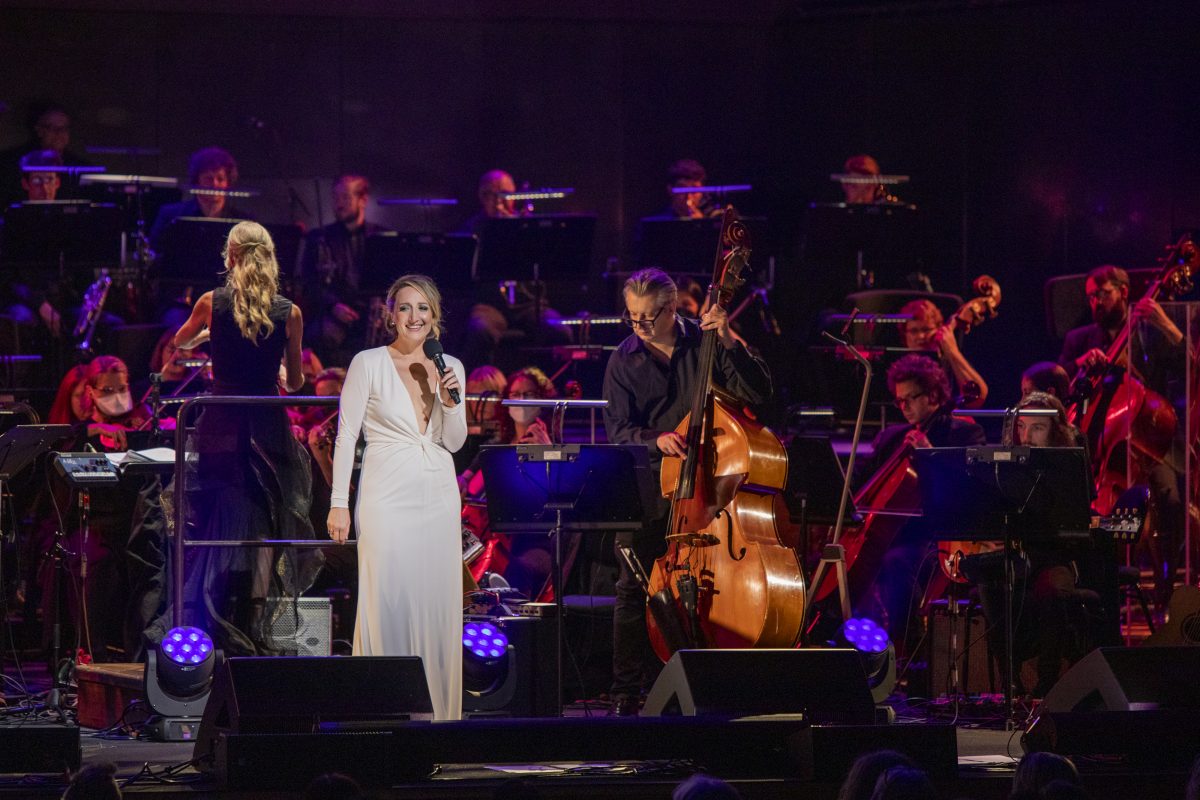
<point x="250" y="480"/>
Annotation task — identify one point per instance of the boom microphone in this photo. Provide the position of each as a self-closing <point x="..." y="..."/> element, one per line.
<point x="433" y="351"/>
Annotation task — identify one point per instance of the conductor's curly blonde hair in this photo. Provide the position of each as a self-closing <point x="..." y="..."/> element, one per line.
<point x="252" y="273"/>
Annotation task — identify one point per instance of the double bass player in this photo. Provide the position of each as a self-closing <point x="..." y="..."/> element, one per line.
<point x="648" y="383"/>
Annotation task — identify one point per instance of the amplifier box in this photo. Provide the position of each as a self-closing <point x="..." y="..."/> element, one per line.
<point x="958" y="639"/>
<point x="306" y="630"/>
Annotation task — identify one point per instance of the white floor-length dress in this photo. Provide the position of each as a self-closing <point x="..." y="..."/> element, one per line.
<point x="407" y="520"/>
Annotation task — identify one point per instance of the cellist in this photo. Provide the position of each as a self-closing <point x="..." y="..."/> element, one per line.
<point x="648" y="384"/>
<point x="1084" y="351"/>
<point x="921" y="390"/>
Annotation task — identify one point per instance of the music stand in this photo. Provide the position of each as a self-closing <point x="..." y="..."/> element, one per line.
<point x="189" y="251"/>
<point x="449" y="258"/>
<point x="686" y="246"/>
<point x="814" y="484"/>
<point x="19" y="447"/>
<point x="531" y="248"/>
<point x="566" y="487"/>
<point x="990" y="492"/>
<point x="50" y="233"/>
<point x="865" y="237"/>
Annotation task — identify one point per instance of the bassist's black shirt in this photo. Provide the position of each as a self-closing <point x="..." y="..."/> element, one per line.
<point x="647" y="398"/>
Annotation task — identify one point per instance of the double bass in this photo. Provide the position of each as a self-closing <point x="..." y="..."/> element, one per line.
<point x="892" y="496"/>
<point x="1129" y="425"/>
<point x="730" y="574"/>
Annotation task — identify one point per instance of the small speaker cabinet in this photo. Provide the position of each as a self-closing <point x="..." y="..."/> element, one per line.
<point x="305" y="631"/>
<point x="958" y="639"/>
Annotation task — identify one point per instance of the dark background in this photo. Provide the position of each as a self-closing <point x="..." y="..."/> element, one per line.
<point x="1042" y="138"/>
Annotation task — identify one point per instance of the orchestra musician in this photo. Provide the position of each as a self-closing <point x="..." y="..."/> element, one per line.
<point x="861" y="193"/>
<point x="921" y="390"/>
<point x="1048" y="377"/>
<point x="50" y="130"/>
<point x="330" y="273"/>
<point x="685" y="173"/>
<point x="208" y="168"/>
<point x="928" y="331"/>
<point x="648" y="384"/>
<point x="1049" y="621"/>
<point x="493" y="321"/>
<point x="1160" y="362"/>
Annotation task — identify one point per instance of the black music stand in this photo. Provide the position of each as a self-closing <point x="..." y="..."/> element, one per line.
<point x="61" y="232"/>
<point x="1005" y="493"/>
<point x="533" y="248"/>
<point x="868" y="238"/>
<point x="449" y="258"/>
<point x="814" y="484"/>
<point x="686" y="246"/>
<point x="566" y="487"/>
<point x="19" y="447"/>
<point x="189" y="250"/>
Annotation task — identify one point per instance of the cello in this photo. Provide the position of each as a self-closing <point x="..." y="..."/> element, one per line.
<point x="1129" y="425"/>
<point x="892" y="496"/>
<point x="731" y="578"/>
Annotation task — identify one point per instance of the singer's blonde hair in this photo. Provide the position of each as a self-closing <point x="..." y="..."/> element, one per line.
<point x="252" y="273"/>
<point x="425" y="285"/>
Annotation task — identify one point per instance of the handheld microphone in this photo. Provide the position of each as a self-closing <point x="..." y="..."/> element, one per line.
<point x="433" y="351"/>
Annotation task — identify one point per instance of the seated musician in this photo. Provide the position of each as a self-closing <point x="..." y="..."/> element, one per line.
<point x="494" y="323"/>
<point x="330" y="272"/>
<point x="1049" y="620"/>
<point x="1048" y="377"/>
<point x="860" y="193"/>
<point x="50" y="130"/>
<point x="483" y="415"/>
<point x="111" y="516"/>
<point x="921" y="390"/>
<point x="685" y="173"/>
<point x="33" y="306"/>
<point x="208" y="168"/>
<point x="649" y="383"/>
<point x="928" y="331"/>
<point x="530" y="560"/>
<point x="1085" y="352"/>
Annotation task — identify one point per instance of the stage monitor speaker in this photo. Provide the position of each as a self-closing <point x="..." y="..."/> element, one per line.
<point x="307" y="694"/>
<point x="1129" y="679"/>
<point x="1140" y="705"/>
<point x="306" y="630"/>
<point x="827" y="685"/>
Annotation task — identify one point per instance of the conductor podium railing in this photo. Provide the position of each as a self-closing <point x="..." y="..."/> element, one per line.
<point x="181" y="541"/>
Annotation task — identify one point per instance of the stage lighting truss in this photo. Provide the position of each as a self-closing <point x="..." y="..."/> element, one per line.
<point x="177" y="680"/>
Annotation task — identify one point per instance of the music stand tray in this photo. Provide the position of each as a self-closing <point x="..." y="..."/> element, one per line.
<point x="77" y="232"/>
<point x="535" y="248"/>
<point x="989" y="493"/>
<point x="686" y="246"/>
<point x="604" y="485"/>
<point x="814" y="481"/>
<point x="449" y="258"/>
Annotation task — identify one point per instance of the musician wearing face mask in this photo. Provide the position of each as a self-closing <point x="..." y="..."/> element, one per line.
<point x="649" y="383"/>
<point x="921" y="391"/>
<point x="110" y="520"/>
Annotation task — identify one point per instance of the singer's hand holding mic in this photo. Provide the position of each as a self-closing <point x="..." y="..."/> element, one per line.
<point x="450" y="388"/>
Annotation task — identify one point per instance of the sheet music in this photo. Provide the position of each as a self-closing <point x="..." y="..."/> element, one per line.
<point x="158" y="455"/>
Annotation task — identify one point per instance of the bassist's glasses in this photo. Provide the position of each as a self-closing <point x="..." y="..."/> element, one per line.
<point x="644" y="324"/>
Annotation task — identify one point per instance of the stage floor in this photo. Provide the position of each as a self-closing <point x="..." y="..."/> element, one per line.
<point x="986" y="761"/>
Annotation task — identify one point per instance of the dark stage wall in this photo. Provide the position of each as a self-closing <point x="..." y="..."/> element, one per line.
<point x="1041" y="138"/>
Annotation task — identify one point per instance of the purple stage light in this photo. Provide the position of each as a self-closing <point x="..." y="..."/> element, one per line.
<point x="864" y="635"/>
<point x="484" y="640"/>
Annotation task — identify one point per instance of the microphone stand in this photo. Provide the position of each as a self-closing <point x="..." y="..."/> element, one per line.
<point x="833" y="555"/>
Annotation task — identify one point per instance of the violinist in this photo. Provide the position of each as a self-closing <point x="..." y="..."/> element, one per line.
<point x="648" y="384"/>
<point x="110" y="519"/>
<point x="928" y="331"/>
<point x="921" y="390"/>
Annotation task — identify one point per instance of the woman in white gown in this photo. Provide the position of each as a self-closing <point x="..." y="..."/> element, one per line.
<point x="408" y="511"/>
